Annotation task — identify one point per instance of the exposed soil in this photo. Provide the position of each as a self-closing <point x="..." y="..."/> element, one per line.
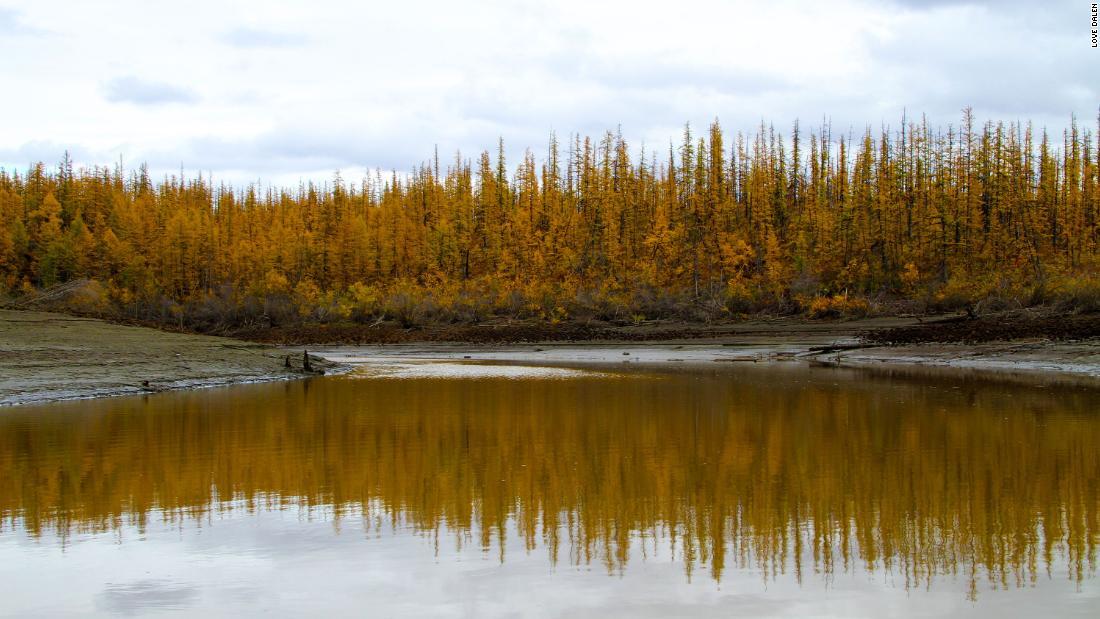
<point x="881" y="331"/>
<point x="994" y="328"/>
<point x="390" y="334"/>
<point x="511" y="332"/>
<point x="46" y="356"/>
<point x="1029" y="342"/>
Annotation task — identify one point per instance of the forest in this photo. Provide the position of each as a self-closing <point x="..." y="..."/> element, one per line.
<point x="819" y="222"/>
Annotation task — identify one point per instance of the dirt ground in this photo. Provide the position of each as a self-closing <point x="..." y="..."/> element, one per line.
<point x="1031" y="359"/>
<point x="510" y="332"/>
<point x="46" y="356"/>
<point x="1021" y="342"/>
<point x="993" y="328"/>
<point x="951" y="328"/>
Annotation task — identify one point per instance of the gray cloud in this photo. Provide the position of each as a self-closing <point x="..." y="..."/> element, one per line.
<point x="11" y="24"/>
<point x="922" y="4"/>
<point x="1056" y="16"/>
<point x="45" y="151"/>
<point x="145" y="92"/>
<point x="670" y="75"/>
<point x="256" y="37"/>
<point x="302" y="149"/>
<point x="1005" y="65"/>
<point x="379" y="89"/>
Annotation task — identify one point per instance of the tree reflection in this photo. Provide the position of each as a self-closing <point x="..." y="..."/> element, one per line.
<point x="782" y="471"/>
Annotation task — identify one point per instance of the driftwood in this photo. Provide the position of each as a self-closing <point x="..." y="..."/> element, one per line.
<point x="52" y="294"/>
<point x="821" y="350"/>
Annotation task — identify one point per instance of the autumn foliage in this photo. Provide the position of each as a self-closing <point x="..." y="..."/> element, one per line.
<point x="821" y="222"/>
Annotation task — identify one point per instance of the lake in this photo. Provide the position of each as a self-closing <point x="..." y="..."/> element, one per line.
<point x="703" y="490"/>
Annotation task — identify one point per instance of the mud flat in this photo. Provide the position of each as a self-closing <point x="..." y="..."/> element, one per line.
<point x="1034" y="358"/>
<point x="46" y="356"/>
<point x="1078" y="358"/>
<point x="591" y="333"/>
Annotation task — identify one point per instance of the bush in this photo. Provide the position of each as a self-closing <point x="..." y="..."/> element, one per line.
<point x="653" y="302"/>
<point x="1078" y="293"/>
<point x="364" y="302"/>
<point x="88" y="298"/>
<point x="409" y="305"/>
<point x="997" y="303"/>
<point x="960" y="292"/>
<point x="838" y="306"/>
<point x="741" y="297"/>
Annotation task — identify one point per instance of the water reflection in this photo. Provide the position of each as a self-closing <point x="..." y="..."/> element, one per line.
<point x="792" y="472"/>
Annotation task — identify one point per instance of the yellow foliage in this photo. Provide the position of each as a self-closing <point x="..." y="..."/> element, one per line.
<point x="364" y="299"/>
<point x="910" y="277"/>
<point x="597" y="231"/>
<point x="306" y="295"/>
<point x="91" y="298"/>
<point x="1080" y="291"/>
<point x="837" y="306"/>
<point x="274" y="282"/>
<point x="741" y="294"/>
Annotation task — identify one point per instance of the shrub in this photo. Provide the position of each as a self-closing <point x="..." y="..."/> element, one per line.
<point x="408" y="304"/>
<point x="959" y="292"/>
<point x="741" y="296"/>
<point x="837" y="306"/>
<point x="1079" y="293"/>
<point x="364" y="302"/>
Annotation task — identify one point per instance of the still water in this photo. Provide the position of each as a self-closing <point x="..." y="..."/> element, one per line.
<point x="775" y="490"/>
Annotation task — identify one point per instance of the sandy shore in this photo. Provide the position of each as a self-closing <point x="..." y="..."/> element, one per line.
<point x="46" y="356"/>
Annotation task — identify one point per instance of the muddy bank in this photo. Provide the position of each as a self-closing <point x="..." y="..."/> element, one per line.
<point x="1004" y="326"/>
<point x="46" y="356"/>
<point x="992" y="328"/>
<point x="1029" y="342"/>
<point x="511" y="332"/>
<point x="1070" y="358"/>
<point x="1032" y="359"/>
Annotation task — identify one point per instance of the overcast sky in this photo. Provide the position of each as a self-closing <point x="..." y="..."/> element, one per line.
<point x="285" y="91"/>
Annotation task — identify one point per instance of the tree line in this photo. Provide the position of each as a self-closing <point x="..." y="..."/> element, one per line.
<point x="816" y="221"/>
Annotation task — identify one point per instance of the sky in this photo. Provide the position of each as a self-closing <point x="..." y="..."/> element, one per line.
<point x="290" y="91"/>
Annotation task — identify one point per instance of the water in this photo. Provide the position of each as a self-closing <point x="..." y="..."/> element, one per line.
<point x="775" y="490"/>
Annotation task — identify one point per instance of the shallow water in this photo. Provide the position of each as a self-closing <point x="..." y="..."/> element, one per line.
<point x="770" y="489"/>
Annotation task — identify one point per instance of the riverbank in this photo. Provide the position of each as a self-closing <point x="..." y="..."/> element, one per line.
<point x="46" y="356"/>
<point x="1034" y="358"/>
<point x="503" y="332"/>
<point x="1034" y="323"/>
<point x="1030" y="342"/>
<point x="835" y="344"/>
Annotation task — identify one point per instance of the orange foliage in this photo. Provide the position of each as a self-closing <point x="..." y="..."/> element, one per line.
<point x="937" y="216"/>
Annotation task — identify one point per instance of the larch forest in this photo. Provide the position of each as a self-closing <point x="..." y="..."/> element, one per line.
<point x="819" y="222"/>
